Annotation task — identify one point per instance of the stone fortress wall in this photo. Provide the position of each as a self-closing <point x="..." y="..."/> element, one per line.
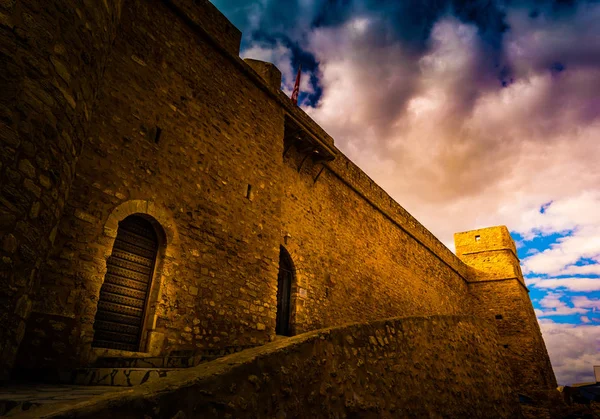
<point x="392" y="368"/>
<point x="156" y="115"/>
<point x="359" y="255"/>
<point x="498" y="283"/>
<point x="52" y="58"/>
<point x="217" y="133"/>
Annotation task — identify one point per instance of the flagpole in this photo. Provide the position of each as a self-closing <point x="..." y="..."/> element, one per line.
<point x="296" y="91"/>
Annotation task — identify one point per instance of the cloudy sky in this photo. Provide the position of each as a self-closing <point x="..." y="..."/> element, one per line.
<point x="470" y="114"/>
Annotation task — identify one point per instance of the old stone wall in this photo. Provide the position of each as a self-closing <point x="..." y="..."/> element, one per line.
<point x="359" y="255"/>
<point x="520" y="336"/>
<point x="52" y="55"/>
<point x="499" y="286"/>
<point x="440" y="366"/>
<point x="177" y="135"/>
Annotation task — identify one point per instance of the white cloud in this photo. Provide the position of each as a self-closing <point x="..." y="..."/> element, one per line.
<point x="584" y="242"/>
<point x="363" y="83"/>
<point x="553" y="305"/>
<point x="574" y="350"/>
<point x="576" y="211"/>
<point x="571" y="284"/>
<point x="559" y="266"/>
<point x="591" y="269"/>
<point x="585" y="302"/>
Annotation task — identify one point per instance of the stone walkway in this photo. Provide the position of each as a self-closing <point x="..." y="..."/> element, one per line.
<point x="20" y="398"/>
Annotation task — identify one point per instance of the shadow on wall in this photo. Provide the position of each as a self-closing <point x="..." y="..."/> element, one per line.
<point x="442" y="366"/>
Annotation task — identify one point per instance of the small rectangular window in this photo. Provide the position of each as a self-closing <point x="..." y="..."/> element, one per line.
<point x="157" y="135"/>
<point x="477" y="238"/>
<point x="249" y="193"/>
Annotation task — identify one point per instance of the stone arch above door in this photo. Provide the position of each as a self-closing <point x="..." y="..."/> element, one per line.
<point x="161" y="215"/>
<point x="168" y="241"/>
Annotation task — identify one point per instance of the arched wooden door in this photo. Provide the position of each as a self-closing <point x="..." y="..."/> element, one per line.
<point x="124" y="293"/>
<point x="284" y="291"/>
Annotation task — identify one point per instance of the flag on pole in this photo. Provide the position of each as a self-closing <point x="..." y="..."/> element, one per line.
<point x="296" y="91"/>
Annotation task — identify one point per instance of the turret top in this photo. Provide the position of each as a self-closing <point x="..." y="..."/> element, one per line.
<point x="484" y="239"/>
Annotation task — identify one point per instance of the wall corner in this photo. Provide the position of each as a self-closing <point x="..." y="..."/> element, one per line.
<point x="498" y="286"/>
<point x="267" y="71"/>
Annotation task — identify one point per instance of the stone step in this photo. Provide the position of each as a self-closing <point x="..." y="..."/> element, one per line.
<point x="20" y="398"/>
<point x="121" y="371"/>
<point x="154" y="362"/>
<point x="110" y="371"/>
<point x="119" y="377"/>
<point x="150" y="362"/>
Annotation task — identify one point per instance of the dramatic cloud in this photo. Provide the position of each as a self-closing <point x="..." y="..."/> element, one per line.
<point x="577" y="215"/>
<point x="470" y="114"/>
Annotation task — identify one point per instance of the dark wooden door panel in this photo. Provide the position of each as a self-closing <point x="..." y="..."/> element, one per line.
<point x="124" y="293"/>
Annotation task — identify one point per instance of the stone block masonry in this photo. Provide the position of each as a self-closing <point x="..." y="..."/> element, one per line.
<point x="358" y="254"/>
<point x="52" y="56"/>
<point x="216" y="284"/>
<point x="439" y="366"/>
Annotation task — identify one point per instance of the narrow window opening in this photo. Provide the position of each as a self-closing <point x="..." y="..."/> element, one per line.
<point x="498" y="316"/>
<point x="249" y="193"/>
<point x="505" y="346"/>
<point x="157" y="135"/>
<point x="284" y="289"/>
<point x="477" y="238"/>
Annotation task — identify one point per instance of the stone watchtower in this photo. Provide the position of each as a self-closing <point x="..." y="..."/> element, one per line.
<point x="497" y="282"/>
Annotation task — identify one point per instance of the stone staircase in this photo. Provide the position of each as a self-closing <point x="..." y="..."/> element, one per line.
<point x="128" y="372"/>
<point x="32" y="388"/>
<point x="123" y="371"/>
<point x="18" y="398"/>
<point x="120" y="377"/>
